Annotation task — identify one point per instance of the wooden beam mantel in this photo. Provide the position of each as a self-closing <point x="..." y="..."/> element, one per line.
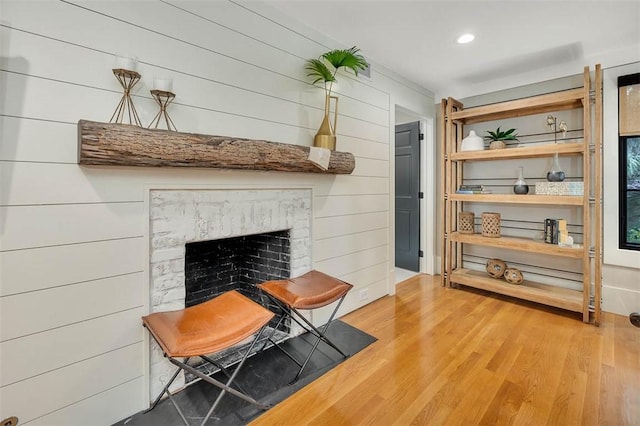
<point x="110" y="144"/>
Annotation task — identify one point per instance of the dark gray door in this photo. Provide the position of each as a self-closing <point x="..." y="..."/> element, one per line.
<point x="407" y="196"/>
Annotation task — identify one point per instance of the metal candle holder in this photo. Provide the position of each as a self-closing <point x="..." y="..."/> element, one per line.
<point x="163" y="99"/>
<point x="127" y="79"/>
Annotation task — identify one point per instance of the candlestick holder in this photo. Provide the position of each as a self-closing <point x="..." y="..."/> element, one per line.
<point x="163" y="99"/>
<point x="556" y="174"/>
<point x="127" y="79"/>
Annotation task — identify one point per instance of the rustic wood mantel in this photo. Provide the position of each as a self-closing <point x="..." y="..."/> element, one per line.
<point x="110" y="144"/>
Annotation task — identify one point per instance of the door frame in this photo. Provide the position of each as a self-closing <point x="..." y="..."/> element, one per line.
<point x="427" y="186"/>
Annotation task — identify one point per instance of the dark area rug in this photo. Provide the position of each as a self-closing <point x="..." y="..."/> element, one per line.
<point x="266" y="376"/>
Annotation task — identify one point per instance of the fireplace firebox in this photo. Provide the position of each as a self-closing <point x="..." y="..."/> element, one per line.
<point x="214" y="267"/>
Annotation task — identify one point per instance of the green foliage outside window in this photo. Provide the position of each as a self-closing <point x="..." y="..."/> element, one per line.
<point x="633" y="218"/>
<point x="633" y="160"/>
<point x="633" y="191"/>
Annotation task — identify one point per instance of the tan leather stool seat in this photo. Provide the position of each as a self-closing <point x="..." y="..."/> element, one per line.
<point x="309" y="291"/>
<point x="208" y="327"/>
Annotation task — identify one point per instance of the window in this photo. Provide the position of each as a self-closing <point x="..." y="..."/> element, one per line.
<point x="629" y="157"/>
<point x="630" y="192"/>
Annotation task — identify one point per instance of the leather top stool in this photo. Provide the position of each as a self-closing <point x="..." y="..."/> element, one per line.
<point x="209" y="327"/>
<point x="309" y="291"/>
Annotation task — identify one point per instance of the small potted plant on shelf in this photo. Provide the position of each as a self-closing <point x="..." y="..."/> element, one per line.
<point x="498" y="137"/>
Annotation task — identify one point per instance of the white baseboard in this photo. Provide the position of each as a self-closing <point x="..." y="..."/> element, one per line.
<point x="620" y="301"/>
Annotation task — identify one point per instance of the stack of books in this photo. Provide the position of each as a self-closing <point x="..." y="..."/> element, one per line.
<point x="555" y="231"/>
<point x="472" y="189"/>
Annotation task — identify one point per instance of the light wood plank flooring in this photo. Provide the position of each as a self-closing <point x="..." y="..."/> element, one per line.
<point x="461" y="357"/>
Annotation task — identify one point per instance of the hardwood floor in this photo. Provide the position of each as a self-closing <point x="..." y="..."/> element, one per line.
<point x="464" y="357"/>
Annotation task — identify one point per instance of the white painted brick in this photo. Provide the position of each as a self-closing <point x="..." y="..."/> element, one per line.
<point x="174" y="295"/>
<point x="168" y="281"/>
<point x="171" y="306"/>
<point x="166" y="267"/>
<point x="167" y="241"/>
<point x="170" y="253"/>
<point x="155" y="353"/>
<point x="161" y="374"/>
<point x="299" y="247"/>
<point x="300" y="269"/>
<point x="300" y="233"/>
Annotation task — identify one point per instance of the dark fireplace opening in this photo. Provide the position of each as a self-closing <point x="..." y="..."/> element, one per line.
<point x="238" y="263"/>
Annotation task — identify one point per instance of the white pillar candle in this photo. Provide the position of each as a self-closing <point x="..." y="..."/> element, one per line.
<point x="129" y="63"/>
<point x="164" y="84"/>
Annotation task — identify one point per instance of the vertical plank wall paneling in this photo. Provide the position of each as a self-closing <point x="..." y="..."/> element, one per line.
<point x="72" y="247"/>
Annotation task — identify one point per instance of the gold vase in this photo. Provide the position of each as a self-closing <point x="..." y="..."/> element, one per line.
<point x="326" y="136"/>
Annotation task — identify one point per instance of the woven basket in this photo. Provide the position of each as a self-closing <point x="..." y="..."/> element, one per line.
<point x="513" y="276"/>
<point x="496" y="268"/>
<point x="491" y="225"/>
<point x="466" y="221"/>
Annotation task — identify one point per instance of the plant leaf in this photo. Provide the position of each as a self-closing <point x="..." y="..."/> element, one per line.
<point x="318" y="71"/>
<point x="492" y="136"/>
<point x="498" y="135"/>
<point x="347" y="58"/>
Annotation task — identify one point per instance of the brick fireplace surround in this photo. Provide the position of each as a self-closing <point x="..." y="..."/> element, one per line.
<point x="181" y="216"/>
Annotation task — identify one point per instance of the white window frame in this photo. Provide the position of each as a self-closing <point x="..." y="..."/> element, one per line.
<point x="613" y="254"/>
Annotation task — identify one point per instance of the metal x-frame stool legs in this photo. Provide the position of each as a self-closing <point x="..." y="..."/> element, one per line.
<point x="206" y="328"/>
<point x="309" y="291"/>
<point x="318" y="333"/>
<point x="225" y="387"/>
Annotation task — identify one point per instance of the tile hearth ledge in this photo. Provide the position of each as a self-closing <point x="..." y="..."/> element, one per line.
<point x="111" y="144"/>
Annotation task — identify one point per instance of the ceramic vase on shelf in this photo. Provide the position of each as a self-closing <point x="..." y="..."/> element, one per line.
<point x="472" y="142"/>
<point x="555" y="174"/>
<point x="520" y="186"/>
<point x="326" y="136"/>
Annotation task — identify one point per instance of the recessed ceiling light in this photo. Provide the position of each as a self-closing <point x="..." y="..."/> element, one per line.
<point x="466" y="38"/>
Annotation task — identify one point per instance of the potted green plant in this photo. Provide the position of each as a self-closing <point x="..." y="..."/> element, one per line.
<point x="498" y="137"/>
<point x="324" y="69"/>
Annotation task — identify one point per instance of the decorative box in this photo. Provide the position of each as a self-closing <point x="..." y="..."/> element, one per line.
<point x="559" y="188"/>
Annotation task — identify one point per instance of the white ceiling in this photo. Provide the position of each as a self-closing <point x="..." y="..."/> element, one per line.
<point x="517" y="42"/>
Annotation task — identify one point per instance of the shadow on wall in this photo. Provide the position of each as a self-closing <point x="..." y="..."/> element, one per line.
<point x="11" y="104"/>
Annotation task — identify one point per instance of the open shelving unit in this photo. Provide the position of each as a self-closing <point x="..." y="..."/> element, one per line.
<point x="455" y="117"/>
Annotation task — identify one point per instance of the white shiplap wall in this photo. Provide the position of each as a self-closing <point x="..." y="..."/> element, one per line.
<point x="72" y="248"/>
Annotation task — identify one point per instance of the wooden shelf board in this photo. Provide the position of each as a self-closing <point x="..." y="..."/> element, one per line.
<point x="547" y="150"/>
<point x="567" y="200"/>
<point x="521" y="244"/>
<point x="568" y="99"/>
<point x="536" y="292"/>
<point x="110" y="144"/>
